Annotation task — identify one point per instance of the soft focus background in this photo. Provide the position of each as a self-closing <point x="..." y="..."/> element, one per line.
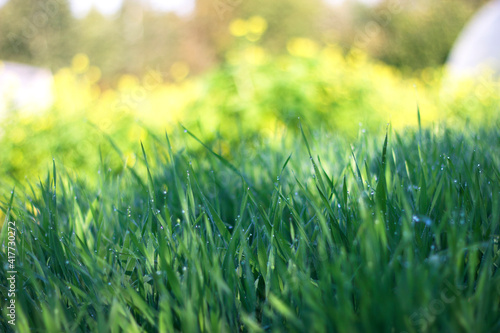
<point x="326" y="166"/>
<point x="231" y="69"/>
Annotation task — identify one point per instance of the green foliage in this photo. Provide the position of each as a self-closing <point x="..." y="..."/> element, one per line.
<point x="254" y="94"/>
<point x="421" y="36"/>
<point x="37" y="32"/>
<point x="410" y="35"/>
<point x="394" y="236"/>
<point x="32" y="142"/>
<point x="287" y="19"/>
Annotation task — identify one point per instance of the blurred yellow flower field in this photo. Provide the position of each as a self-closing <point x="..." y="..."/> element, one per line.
<point x="254" y="93"/>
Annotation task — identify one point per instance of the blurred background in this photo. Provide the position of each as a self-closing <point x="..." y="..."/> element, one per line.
<point x="130" y="36"/>
<point x="74" y="73"/>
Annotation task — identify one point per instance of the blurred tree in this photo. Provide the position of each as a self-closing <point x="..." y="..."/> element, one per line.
<point x="407" y="34"/>
<point x="286" y="19"/>
<point x="100" y="39"/>
<point x="40" y="32"/>
<point x="161" y="42"/>
<point x="412" y="35"/>
<point x="209" y="26"/>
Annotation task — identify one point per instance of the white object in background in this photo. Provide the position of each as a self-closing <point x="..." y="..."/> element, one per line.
<point x="477" y="49"/>
<point x="24" y="88"/>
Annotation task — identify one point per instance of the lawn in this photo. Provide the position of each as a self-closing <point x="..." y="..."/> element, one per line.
<point x="304" y="231"/>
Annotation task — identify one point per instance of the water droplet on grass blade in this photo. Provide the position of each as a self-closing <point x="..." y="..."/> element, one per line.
<point x="422" y="219"/>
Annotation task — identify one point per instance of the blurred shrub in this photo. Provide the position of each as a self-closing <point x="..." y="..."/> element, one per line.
<point x="412" y="35"/>
<point x="318" y="84"/>
<point x="406" y="34"/>
<point x="253" y="93"/>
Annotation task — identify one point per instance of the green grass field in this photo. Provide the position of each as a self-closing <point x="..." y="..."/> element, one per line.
<point x="309" y="233"/>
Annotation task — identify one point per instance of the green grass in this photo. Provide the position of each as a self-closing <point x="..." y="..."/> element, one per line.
<point x="309" y="233"/>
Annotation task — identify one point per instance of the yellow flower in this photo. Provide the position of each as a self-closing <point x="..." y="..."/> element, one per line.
<point x="127" y="82"/>
<point x="80" y="63"/>
<point x="94" y="74"/>
<point x="238" y="28"/>
<point x="130" y="159"/>
<point x="302" y="47"/>
<point x="255" y="55"/>
<point x="252" y="37"/>
<point x="257" y="25"/>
